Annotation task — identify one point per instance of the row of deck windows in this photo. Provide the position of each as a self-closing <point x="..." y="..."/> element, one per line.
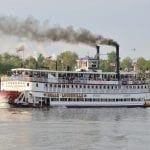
<point x="98" y="100"/>
<point x="97" y="86"/>
<point x="14" y="83"/>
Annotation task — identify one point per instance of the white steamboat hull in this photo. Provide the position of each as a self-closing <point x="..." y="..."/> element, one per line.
<point x="95" y="105"/>
<point x="39" y="99"/>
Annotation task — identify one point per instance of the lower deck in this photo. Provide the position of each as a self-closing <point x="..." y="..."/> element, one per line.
<point x="81" y="102"/>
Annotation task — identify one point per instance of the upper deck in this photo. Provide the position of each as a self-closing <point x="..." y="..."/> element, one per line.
<point x="88" y="77"/>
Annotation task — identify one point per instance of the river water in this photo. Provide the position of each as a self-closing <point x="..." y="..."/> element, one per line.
<point x="74" y="129"/>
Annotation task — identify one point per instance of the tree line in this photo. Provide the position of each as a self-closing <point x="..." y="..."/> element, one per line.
<point x="67" y="61"/>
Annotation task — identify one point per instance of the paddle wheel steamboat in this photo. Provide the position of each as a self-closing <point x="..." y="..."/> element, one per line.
<point x="88" y="86"/>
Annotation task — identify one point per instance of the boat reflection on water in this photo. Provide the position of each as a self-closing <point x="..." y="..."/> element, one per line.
<point x="10" y="113"/>
<point x="4" y="103"/>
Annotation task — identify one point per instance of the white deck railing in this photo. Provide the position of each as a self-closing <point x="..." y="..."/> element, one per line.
<point x="75" y="81"/>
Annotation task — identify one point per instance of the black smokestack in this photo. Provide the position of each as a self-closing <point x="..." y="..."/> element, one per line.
<point x="32" y="29"/>
<point x="117" y="62"/>
<point x="97" y="55"/>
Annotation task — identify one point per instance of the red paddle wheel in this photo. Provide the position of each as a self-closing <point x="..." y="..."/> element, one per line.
<point x="10" y="96"/>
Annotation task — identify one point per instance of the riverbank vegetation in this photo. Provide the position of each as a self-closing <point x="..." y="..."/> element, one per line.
<point x="67" y="61"/>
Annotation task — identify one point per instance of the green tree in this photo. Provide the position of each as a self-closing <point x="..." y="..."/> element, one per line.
<point x="104" y="65"/>
<point x="126" y="64"/>
<point x="148" y="65"/>
<point x="67" y="60"/>
<point x="40" y="61"/>
<point x="141" y="64"/>
<point x="49" y="63"/>
<point x="109" y="64"/>
<point x="111" y="61"/>
<point x="8" y="62"/>
<point x="30" y="63"/>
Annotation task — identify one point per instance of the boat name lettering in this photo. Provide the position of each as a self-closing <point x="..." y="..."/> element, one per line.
<point x="51" y="94"/>
<point x="65" y="95"/>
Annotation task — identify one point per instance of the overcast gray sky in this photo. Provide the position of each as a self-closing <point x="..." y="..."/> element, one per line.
<point x="126" y="21"/>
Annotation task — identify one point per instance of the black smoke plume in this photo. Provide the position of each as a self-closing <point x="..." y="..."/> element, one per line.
<point x="31" y="28"/>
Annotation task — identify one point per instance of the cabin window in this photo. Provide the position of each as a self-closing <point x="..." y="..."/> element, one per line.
<point x="80" y="99"/>
<point x="73" y="99"/>
<point x="36" y="84"/>
<point x="53" y="74"/>
<point x="59" y="85"/>
<point x="96" y="99"/>
<point x="63" y="99"/>
<point x="139" y="99"/>
<point x="27" y="84"/>
<point x="88" y="100"/>
<point x="69" y="99"/>
<point x="104" y="100"/>
<point x="54" y="99"/>
<point x="128" y="99"/>
<point x="112" y="100"/>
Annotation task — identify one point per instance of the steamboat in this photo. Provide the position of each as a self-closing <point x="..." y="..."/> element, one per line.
<point x="88" y="86"/>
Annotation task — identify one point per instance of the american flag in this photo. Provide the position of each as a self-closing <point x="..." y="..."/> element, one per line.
<point x="20" y="48"/>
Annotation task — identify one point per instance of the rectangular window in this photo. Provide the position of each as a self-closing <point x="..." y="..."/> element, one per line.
<point x="36" y="84"/>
